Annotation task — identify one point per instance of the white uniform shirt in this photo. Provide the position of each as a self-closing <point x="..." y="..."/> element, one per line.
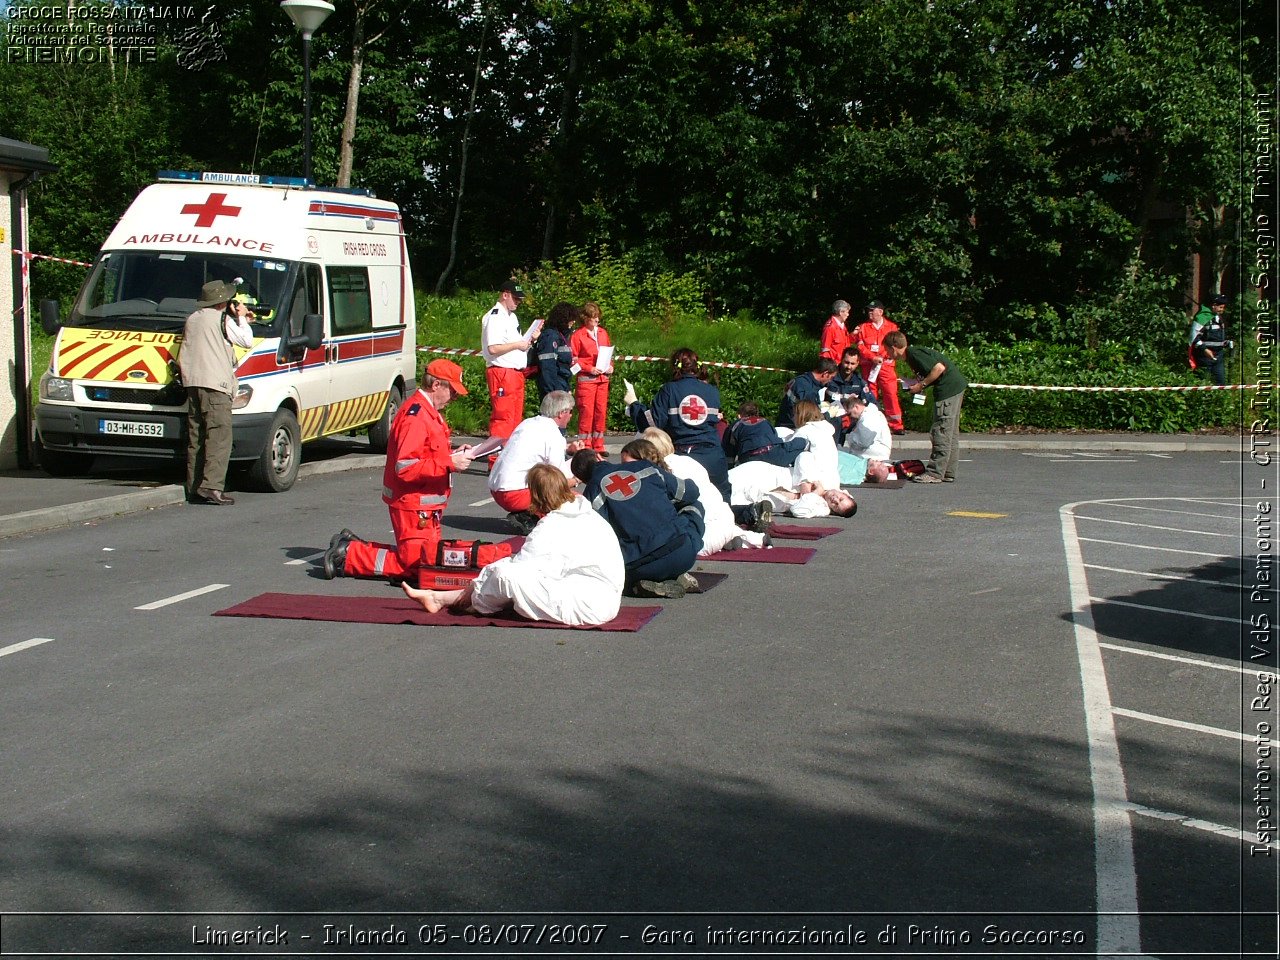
<point x="871" y="438"/>
<point x="536" y="440"/>
<point x="718" y="515"/>
<point x="570" y="570"/>
<point x="818" y="464"/>
<point x="756" y="480"/>
<point x="500" y="326"/>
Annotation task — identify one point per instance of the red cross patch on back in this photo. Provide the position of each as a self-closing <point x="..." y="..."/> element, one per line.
<point x="693" y="410"/>
<point x="620" y="485"/>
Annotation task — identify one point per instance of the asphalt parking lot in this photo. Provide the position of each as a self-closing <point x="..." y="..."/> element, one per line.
<point x="1021" y="701"/>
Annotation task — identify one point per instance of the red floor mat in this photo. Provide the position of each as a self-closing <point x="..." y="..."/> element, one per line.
<point x="771" y="555"/>
<point x="784" y="531"/>
<point x="400" y="609"/>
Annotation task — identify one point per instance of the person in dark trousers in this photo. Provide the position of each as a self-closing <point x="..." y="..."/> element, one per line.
<point x="1209" y="343"/>
<point x="553" y="360"/>
<point x="949" y="385"/>
<point x="657" y="516"/>
<point x="688" y="409"/>
<point x="207" y="360"/>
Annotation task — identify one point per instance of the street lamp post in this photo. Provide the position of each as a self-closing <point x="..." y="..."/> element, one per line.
<point x="307" y="16"/>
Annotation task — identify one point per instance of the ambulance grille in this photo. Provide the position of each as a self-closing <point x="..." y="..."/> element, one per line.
<point x="170" y="396"/>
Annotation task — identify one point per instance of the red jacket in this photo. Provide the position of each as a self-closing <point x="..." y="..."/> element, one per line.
<point x="870" y="342"/>
<point x="835" y="339"/>
<point x="419" y="459"/>
<point x="586" y="349"/>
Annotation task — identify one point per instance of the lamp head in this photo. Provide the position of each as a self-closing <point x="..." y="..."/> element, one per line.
<point x="307" y="15"/>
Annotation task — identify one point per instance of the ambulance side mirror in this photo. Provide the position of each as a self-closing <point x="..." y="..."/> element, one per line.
<point x="49" y="319"/>
<point x="310" y="339"/>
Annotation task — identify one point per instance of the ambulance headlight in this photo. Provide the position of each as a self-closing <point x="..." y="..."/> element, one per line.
<point x="244" y="394"/>
<point x="54" y="388"/>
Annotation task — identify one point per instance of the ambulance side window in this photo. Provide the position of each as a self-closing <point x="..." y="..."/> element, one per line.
<point x="306" y="298"/>
<point x="350" y="300"/>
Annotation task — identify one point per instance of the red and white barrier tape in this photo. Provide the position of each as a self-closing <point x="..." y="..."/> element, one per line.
<point x="44" y="256"/>
<point x="1212" y="386"/>
<point x="467" y="352"/>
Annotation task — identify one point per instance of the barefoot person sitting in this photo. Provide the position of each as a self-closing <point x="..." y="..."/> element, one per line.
<point x="569" y="571"/>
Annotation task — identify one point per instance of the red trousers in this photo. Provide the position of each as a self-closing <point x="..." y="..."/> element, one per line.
<point x="506" y="398"/>
<point x="414" y="547"/>
<point x="593" y="411"/>
<point x="513" y="501"/>
<point x="885" y="387"/>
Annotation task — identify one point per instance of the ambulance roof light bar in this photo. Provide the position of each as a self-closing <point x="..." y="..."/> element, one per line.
<point x="251" y="180"/>
<point x="231" y="179"/>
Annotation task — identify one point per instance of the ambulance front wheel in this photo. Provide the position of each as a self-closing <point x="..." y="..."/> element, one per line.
<point x="276" y="468"/>
<point x="380" y="432"/>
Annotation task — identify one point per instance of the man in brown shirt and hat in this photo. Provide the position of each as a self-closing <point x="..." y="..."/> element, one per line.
<point x="208" y="364"/>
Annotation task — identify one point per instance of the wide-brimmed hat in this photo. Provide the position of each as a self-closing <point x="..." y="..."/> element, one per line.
<point x="449" y="372"/>
<point x="216" y="291"/>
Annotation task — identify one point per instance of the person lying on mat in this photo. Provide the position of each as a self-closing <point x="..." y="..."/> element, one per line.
<point x="868" y="445"/>
<point x="657" y="517"/>
<point x="722" y="531"/>
<point x="570" y="569"/>
<point x="761" y="490"/>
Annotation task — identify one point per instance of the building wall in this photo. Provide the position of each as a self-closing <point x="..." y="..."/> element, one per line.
<point x="9" y="425"/>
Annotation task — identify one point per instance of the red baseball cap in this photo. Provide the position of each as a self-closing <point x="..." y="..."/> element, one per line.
<point x="449" y="372"/>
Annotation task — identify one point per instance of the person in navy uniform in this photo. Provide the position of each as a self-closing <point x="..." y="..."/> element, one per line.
<point x="848" y="381"/>
<point x="807" y="386"/>
<point x="688" y="409"/>
<point x="658" y="517"/>
<point x="752" y="437"/>
<point x="1209" y="343"/>
<point x="552" y="355"/>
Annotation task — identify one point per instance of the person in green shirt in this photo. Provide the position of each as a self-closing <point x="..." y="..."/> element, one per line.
<point x="949" y="385"/>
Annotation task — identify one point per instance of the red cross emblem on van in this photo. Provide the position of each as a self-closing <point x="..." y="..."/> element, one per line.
<point x="211" y="210"/>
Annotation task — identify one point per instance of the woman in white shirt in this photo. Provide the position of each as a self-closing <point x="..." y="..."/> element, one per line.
<point x="569" y="571"/>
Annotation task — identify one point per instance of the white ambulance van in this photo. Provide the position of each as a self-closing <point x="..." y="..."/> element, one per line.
<point x="334" y="335"/>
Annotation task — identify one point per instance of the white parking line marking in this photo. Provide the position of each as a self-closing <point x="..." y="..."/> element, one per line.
<point x="157" y="604"/>
<point x="1115" y="876"/>
<point x="1174" y="576"/>
<point x="1248" y="671"/>
<point x="1181" y="513"/>
<point x="481" y="503"/>
<point x="299" y="561"/>
<point x="1139" y="546"/>
<point x="1172" y="610"/>
<point x="24" y="645"/>
<point x="1152" y="526"/>
<point x="1090" y="462"/>
<point x="1231" y="833"/>
<point x="1181" y="724"/>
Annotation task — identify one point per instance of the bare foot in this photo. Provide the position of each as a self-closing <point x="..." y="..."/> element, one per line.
<point x="433" y="601"/>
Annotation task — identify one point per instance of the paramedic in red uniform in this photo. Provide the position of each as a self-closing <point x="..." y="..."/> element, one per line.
<point x="415" y="484"/>
<point x="877" y="366"/>
<point x="506" y="354"/>
<point x="593" y="380"/>
<point x="835" y="335"/>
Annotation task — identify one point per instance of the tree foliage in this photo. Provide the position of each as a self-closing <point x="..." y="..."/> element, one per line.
<point x="999" y="167"/>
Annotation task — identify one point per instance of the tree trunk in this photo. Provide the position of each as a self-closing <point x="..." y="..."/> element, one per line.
<point x="347" y="153"/>
<point x="568" y="119"/>
<point x="462" y="163"/>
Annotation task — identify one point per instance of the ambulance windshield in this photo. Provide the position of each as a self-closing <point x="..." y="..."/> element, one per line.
<point x="155" y="290"/>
